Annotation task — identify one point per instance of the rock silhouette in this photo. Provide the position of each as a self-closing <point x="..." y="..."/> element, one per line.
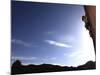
<point x="18" y="68"/>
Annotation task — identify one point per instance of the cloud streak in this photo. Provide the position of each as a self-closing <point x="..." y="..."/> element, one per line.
<point x="23" y="58"/>
<point x="49" y="58"/>
<point x="31" y="58"/>
<point x="21" y="42"/>
<point x="58" y="44"/>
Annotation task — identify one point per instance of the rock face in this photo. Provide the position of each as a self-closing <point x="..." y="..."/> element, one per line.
<point x="90" y="13"/>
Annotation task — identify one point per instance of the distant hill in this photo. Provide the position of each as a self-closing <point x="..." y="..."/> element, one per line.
<point x="18" y="68"/>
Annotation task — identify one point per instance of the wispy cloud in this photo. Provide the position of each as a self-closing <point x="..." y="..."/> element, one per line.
<point x="23" y="58"/>
<point x="21" y="42"/>
<point x="49" y="59"/>
<point x="75" y="54"/>
<point x="66" y="38"/>
<point x="31" y="58"/>
<point x="50" y="32"/>
<point x="59" y="44"/>
<point x="53" y="58"/>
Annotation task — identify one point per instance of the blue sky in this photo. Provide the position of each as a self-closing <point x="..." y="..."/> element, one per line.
<point x="49" y="33"/>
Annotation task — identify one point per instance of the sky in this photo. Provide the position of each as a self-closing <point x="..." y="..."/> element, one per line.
<point x="49" y="33"/>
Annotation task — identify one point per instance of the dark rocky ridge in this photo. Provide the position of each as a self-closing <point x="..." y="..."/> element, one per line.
<point x="18" y="68"/>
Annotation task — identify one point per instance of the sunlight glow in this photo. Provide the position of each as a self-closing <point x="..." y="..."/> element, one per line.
<point x="86" y="51"/>
<point x="88" y="45"/>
